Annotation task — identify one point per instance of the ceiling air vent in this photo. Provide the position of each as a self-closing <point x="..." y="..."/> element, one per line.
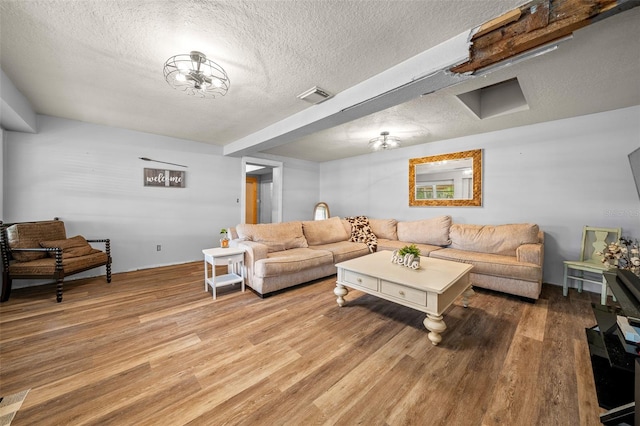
<point x="315" y="95"/>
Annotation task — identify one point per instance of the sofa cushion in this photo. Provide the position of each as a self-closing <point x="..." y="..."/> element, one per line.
<point x="384" y="228"/>
<point x="347" y="225"/>
<point x="391" y="245"/>
<point x="291" y="261"/>
<point x="495" y="239"/>
<point x="434" y="231"/>
<point x="324" y="231"/>
<point x="344" y="250"/>
<point x="29" y="235"/>
<point x="492" y="264"/>
<point x="276" y="236"/>
<point x="71" y="247"/>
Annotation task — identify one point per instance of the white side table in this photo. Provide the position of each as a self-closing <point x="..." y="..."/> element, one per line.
<point x="233" y="258"/>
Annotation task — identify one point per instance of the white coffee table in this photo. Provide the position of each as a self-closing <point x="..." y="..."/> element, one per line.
<point x="430" y="289"/>
<point x="233" y="257"/>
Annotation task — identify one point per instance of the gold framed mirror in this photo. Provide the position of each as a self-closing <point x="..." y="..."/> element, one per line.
<point x="321" y="211"/>
<point x="446" y="180"/>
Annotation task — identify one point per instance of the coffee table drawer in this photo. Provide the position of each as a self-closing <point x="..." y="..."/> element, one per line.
<point x="361" y="280"/>
<point x="405" y="293"/>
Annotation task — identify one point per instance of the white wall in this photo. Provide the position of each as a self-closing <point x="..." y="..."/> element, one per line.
<point x="301" y="182"/>
<point x="91" y="177"/>
<point x="561" y="175"/>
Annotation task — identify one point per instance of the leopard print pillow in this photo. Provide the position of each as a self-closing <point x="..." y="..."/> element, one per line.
<point x="361" y="232"/>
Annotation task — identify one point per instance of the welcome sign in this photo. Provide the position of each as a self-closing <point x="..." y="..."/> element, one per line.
<point x="164" y="178"/>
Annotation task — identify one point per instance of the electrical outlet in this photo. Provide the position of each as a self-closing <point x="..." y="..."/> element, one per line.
<point x="158" y="247"/>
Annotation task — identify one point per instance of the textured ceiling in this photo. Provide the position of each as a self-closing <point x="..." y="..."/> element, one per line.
<point x="101" y="62"/>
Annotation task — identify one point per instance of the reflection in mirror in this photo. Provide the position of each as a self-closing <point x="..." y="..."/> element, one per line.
<point x="321" y="211"/>
<point x="446" y="180"/>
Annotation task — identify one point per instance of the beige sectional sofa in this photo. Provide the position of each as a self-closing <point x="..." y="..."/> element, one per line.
<point x="281" y="255"/>
<point x="506" y="258"/>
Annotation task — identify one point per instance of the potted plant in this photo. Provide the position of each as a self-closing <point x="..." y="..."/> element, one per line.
<point x="408" y="256"/>
<point x="224" y="238"/>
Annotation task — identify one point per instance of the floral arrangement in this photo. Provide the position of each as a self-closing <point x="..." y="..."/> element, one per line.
<point x="623" y="254"/>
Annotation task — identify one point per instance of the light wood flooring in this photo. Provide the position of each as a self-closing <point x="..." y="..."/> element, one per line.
<point x="153" y="348"/>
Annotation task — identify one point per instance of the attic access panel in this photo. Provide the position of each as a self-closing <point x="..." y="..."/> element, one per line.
<point x="498" y="99"/>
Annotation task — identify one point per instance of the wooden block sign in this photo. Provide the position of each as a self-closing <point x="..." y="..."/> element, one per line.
<point x="165" y="178"/>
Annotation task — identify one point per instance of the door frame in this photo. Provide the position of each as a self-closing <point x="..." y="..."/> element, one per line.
<point x="276" y="202"/>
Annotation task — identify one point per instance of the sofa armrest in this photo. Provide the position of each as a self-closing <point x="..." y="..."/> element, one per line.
<point x="530" y="253"/>
<point x="254" y="251"/>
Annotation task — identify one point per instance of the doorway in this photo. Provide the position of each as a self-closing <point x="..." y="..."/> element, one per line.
<point x="251" y="213"/>
<point x="268" y="205"/>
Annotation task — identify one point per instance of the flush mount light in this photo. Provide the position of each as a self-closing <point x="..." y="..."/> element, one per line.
<point x="384" y="141"/>
<point x="315" y="95"/>
<point x="196" y="75"/>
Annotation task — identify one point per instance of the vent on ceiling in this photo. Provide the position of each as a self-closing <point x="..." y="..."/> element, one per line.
<point x="501" y="98"/>
<point x="315" y="95"/>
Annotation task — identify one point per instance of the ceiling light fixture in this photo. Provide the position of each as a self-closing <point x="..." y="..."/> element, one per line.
<point x="384" y="141"/>
<point x="196" y="75"/>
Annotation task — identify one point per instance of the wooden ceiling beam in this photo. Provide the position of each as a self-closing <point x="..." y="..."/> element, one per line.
<point x="533" y="25"/>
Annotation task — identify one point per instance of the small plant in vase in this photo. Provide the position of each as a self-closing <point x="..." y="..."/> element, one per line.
<point x="408" y="256"/>
<point x="224" y="238"/>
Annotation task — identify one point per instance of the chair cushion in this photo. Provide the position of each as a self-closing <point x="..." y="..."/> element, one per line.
<point x="47" y="265"/>
<point x="71" y="247"/>
<point x="29" y="235"/>
<point x="324" y="231"/>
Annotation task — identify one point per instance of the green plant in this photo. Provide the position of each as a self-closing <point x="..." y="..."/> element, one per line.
<point x="223" y="231"/>
<point x="411" y="249"/>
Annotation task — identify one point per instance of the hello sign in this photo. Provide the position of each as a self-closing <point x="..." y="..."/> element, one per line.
<point x="164" y="178"/>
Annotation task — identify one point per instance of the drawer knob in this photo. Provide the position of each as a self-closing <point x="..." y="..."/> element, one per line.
<point x="401" y="293"/>
<point x="359" y="280"/>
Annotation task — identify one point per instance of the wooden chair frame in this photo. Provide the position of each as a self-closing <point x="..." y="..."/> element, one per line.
<point x="589" y="261"/>
<point x="59" y="272"/>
